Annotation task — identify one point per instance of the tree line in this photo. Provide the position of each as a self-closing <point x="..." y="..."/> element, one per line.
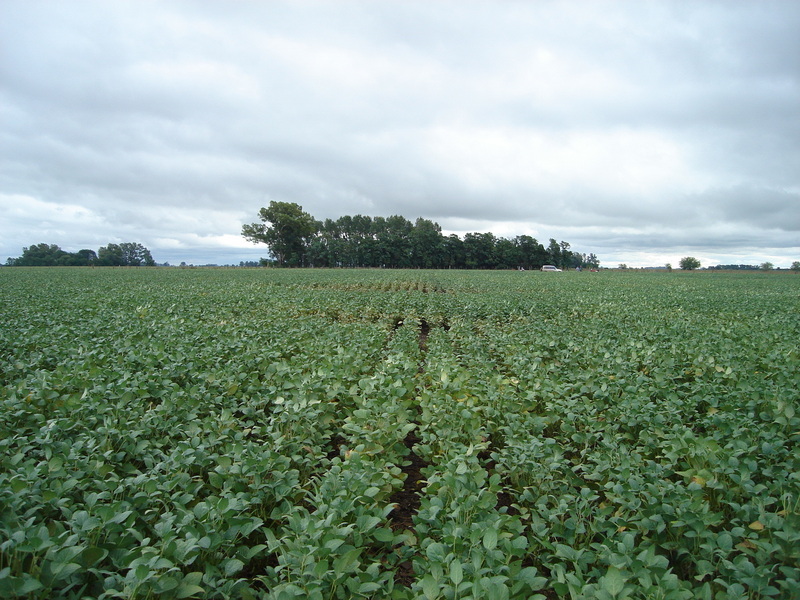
<point x="297" y="239"/>
<point x="126" y="254"/>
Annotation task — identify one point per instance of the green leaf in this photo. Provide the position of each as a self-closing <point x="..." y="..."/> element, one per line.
<point x="64" y="570"/>
<point x="333" y="544"/>
<point x="121" y="517"/>
<point x="200" y="510"/>
<point x="253" y="550"/>
<point x="490" y="538"/>
<point x="366" y="523"/>
<point x="496" y="590"/>
<point x="384" y="534"/>
<point x="25" y="585"/>
<point x="232" y="566"/>
<point x="142" y="573"/>
<point x="92" y="555"/>
<point x="67" y="554"/>
<point x="189" y="586"/>
<point x="193" y="578"/>
<point x="436" y="552"/>
<point x="456" y="572"/>
<point x="369" y="586"/>
<point x="429" y="587"/>
<point x="187" y="591"/>
<point x="166" y="583"/>
<point x="613" y="581"/>
<point x="530" y="576"/>
<point x="320" y="569"/>
<point x="347" y="562"/>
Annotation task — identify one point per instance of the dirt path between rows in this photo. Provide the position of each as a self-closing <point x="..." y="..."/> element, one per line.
<point x="407" y="499"/>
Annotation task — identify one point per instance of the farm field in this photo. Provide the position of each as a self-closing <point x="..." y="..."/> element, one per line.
<point x="275" y="434"/>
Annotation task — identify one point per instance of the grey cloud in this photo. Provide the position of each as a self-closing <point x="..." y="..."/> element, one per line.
<point x="631" y="122"/>
<point x="766" y="209"/>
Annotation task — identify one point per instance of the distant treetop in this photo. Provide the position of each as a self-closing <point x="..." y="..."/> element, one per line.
<point x="689" y="263"/>
<point x="127" y="254"/>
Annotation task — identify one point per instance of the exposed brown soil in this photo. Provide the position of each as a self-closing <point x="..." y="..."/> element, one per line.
<point x="335" y="443"/>
<point x="407" y="498"/>
<point x="404" y="574"/>
<point x="424" y="331"/>
<point x="506" y="500"/>
<point x="407" y="502"/>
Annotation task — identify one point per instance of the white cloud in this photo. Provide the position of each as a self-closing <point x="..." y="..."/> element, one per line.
<point x="38" y="221"/>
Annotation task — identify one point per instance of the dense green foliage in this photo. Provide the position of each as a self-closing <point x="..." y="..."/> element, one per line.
<point x="240" y="433"/>
<point x="689" y="263"/>
<point x="127" y="254"/>
<point x="286" y="228"/>
<point x="738" y="267"/>
<point x="296" y="239"/>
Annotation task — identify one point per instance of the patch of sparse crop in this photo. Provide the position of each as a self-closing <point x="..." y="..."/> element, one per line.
<point x="242" y="433"/>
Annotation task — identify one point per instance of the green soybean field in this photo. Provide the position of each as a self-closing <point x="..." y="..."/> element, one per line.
<point x="322" y="434"/>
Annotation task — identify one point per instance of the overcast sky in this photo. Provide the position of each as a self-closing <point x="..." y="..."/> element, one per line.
<point x="640" y="131"/>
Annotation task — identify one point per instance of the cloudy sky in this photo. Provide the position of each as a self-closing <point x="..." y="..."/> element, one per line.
<point x="640" y="131"/>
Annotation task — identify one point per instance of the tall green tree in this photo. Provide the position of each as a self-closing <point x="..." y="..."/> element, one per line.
<point x="453" y="251"/>
<point x="395" y="242"/>
<point x="554" y="253"/>
<point x="85" y="257"/>
<point x="479" y="250"/>
<point x="426" y="244"/>
<point x="531" y="253"/>
<point x="566" y="255"/>
<point x="126" y="254"/>
<point x="41" y="255"/>
<point x="362" y="235"/>
<point x="507" y="254"/>
<point x="110" y="256"/>
<point x="689" y="263"/>
<point x="380" y="252"/>
<point x="286" y="229"/>
<point x="296" y="239"/>
<point x="136" y="255"/>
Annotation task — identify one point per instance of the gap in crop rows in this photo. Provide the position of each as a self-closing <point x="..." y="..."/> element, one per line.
<point x="407" y="500"/>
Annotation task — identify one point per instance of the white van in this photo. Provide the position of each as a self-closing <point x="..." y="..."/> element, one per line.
<point x="551" y="268"/>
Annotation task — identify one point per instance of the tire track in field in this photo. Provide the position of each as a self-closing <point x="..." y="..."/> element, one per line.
<point x="407" y="500"/>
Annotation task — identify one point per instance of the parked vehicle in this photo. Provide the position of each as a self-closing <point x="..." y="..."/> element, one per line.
<point x="551" y="268"/>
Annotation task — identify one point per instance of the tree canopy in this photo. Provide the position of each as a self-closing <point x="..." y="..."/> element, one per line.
<point x="689" y="263"/>
<point x="295" y="238"/>
<point x="129" y="254"/>
<point x="287" y="231"/>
